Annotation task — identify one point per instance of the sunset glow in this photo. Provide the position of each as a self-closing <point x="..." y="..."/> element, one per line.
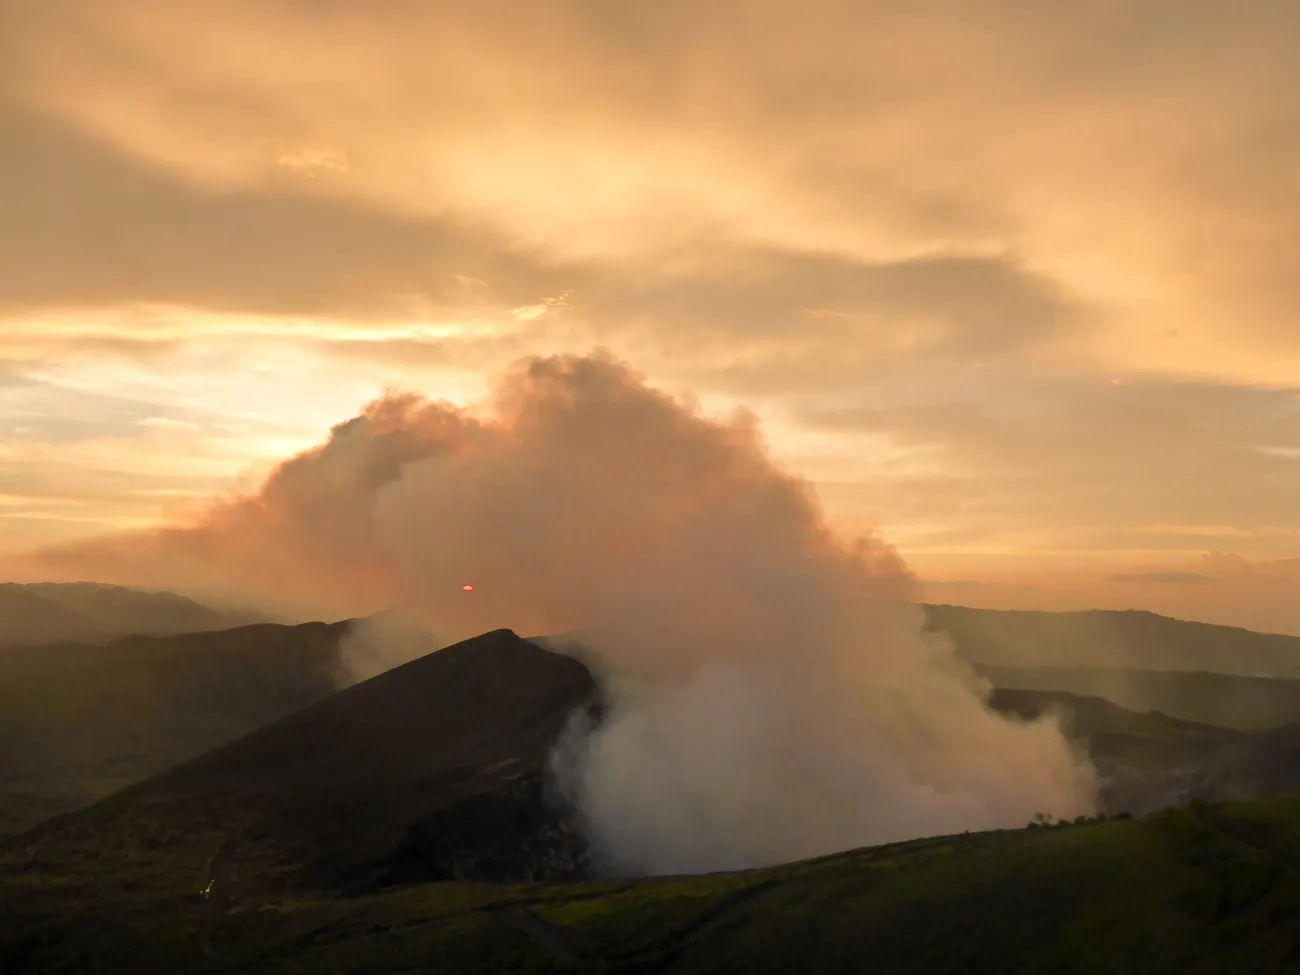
<point x="1012" y="285"/>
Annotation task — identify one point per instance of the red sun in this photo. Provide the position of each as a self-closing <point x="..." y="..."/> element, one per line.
<point x="467" y="588"/>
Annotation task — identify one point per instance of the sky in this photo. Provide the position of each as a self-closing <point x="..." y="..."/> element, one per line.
<point x="1014" y="285"/>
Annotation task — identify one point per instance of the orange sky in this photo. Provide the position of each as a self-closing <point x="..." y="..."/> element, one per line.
<point x="1014" y="283"/>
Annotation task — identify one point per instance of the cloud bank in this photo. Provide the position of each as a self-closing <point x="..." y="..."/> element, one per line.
<point x="773" y="695"/>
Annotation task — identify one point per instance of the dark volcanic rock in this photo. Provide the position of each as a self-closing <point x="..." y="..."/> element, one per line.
<point x="522" y="831"/>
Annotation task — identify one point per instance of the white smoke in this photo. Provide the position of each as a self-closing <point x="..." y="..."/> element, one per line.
<point x="382" y="641"/>
<point x="773" y="694"/>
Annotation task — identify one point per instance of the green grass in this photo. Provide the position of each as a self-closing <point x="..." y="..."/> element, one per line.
<point x="1208" y="889"/>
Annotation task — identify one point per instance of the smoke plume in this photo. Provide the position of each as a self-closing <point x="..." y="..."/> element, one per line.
<point x="773" y="695"/>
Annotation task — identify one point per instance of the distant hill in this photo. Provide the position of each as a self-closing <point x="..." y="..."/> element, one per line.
<point x="80" y="721"/>
<point x="1105" y="638"/>
<point x="49" y="612"/>
<point x="1148" y="761"/>
<point x="433" y="770"/>
<point x="1244" y="703"/>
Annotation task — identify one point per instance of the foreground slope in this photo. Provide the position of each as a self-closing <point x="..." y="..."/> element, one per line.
<point x="431" y="770"/>
<point x="1202" y="890"/>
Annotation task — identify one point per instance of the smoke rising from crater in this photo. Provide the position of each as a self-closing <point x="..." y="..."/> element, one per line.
<point x="773" y="694"/>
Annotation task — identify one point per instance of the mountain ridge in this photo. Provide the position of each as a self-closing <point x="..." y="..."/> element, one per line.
<point x="36" y="613"/>
<point x="365" y="786"/>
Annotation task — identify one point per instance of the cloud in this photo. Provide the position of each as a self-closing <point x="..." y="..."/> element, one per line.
<point x="88" y="224"/>
<point x="1004" y="278"/>
<point x="1164" y="578"/>
<point x="92" y="226"/>
<point x="655" y="139"/>
<point x="667" y="129"/>
<point x="773" y="321"/>
<point x="774" y="696"/>
<point x="1081" y="463"/>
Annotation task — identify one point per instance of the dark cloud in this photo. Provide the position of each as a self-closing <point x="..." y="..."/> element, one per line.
<point x="87" y="224"/>
<point x="793" y="318"/>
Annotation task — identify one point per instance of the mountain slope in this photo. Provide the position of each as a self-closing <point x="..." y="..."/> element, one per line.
<point x="392" y="779"/>
<point x="78" y="721"/>
<point x="1105" y="638"/>
<point x="27" y="617"/>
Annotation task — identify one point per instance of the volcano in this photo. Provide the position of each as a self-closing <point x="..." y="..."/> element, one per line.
<point x="435" y="770"/>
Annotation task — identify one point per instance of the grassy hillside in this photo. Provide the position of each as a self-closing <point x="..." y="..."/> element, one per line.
<point x="1104" y="638"/>
<point x="1202" y="890"/>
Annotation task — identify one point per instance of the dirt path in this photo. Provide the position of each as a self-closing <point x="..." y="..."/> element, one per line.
<point x="217" y="896"/>
<point x="562" y="947"/>
<point x="554" y="940"/>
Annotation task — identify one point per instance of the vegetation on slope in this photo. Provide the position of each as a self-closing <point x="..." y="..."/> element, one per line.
<point x="1202" y="889"/>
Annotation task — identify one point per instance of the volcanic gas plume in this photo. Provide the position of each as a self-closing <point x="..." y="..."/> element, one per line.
<point x="773" y="694"/>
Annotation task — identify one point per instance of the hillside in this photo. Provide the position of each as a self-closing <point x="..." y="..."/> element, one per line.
<point x="1148" y="761"/>
<point x="434" y="769"/>
<point x="406" y="824"/>
<point x="49" y="612"/>
<point x="27" y="617"/>
<point x="79" y="721"/>
<point x="1105" y="638"/>
<point x="1202" y="890"/>
<point x="1244" y="703"/>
